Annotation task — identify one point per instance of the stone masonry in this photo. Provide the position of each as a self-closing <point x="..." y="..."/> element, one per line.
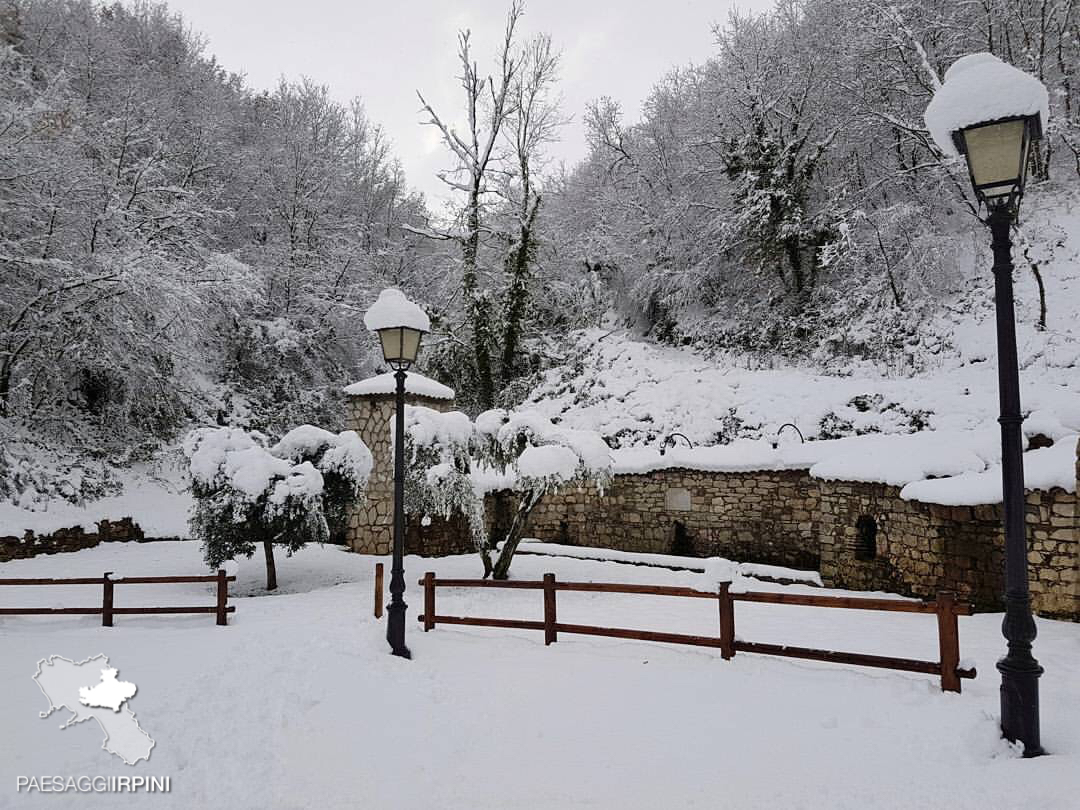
<point x="371" y="518"/>
<point x="921" y="548"/>
<point x="768" y="517"/>
<point x="70" y="539"/>
<point x="859" y="535"/>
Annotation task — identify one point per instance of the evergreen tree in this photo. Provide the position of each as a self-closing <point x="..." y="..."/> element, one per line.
<point x="290" y="494"/>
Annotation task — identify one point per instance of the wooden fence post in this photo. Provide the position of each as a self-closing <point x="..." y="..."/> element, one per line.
<point x="222" y="597"/>
<point x="107" y="601"/>
<point x="550" y="634"/>
<point x="378" y="590"/>
<point x="727" y="621"/>
<point x="948" y="641"/>
<point x="429" y="601"/>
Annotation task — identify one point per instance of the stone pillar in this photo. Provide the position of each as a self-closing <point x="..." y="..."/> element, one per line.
<point x="1076" y="541"/>
<point x="371" y="518"/>
<point x="1058" y="575"/>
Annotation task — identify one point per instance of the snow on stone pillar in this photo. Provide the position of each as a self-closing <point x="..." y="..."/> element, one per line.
<point x="370" y="412"/>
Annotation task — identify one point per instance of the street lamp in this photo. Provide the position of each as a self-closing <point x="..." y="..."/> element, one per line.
<point x="400" y="324"/>
<point x="990" y="112"/>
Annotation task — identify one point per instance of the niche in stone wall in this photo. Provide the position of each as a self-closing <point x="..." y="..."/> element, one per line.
<point x="682" y="544"/>
<point x="865" y="538"/>
<point x="564" y="534"/>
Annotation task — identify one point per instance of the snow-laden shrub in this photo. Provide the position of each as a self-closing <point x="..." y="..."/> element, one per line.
<point x="439" y="454"/>
<point x="453" y="462"/>
<point x="344" y="462"/>
<point x="291" y="493"/>
<point x="33" y="474"/>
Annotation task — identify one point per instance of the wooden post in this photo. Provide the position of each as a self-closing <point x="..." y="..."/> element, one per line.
<point x="107" y="601"/>
<point x="222" y="598"/>
<point x="948" y="641"/>
<point x="429" y="601"/>
<point x="727" y="621"/>
<point x="550" y="634"/>
<point x="378" y="590"/>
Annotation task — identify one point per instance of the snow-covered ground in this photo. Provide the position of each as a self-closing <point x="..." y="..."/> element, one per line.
<point x="156" y="497"/>
<point x="297" y="704"/>
<point x="717" y="568"/>
<point x="638" y="392"/>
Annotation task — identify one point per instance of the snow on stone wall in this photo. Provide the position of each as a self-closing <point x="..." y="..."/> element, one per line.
<point x="792" y="507"/>
<point x="75" y="538"/>
<point x="921" y="548"/>
<point x="415" y="384"/>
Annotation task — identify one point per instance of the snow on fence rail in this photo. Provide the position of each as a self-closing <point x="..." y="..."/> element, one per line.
<point x="945" y="607"/>
<point x="222" y="608"/>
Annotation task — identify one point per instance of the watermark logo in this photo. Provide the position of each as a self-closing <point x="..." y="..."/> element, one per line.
<point x="92" y="784"/>
<point x="90" y="690"/>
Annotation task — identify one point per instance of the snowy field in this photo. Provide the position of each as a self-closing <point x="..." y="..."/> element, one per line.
<point x="298" y="704"/>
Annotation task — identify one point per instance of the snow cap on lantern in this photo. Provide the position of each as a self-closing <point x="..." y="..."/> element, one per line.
<point x="393" y="309"/>
<point x="400" y="324"/>
<point x="980" y="88"/>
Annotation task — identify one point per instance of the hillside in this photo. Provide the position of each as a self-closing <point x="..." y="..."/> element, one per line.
<point x="635" y="391"/>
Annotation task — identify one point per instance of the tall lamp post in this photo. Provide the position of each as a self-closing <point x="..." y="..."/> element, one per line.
<point x="990" y="112"/>
<point x="400" y="324"/>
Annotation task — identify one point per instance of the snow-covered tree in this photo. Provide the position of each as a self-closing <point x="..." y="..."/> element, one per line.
<point x="291" y="493"/>
<point x="498" y="160"/>
<point x="175" y="247"/>
<point x="453" y="462"/>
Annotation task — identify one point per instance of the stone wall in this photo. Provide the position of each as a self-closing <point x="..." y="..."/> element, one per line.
<point x="860" y="536"/>
<point x="920" y="548"/>
<point x="768" y="517"/>
<point x="71" y="539"/>
<point x="371" y="519"/>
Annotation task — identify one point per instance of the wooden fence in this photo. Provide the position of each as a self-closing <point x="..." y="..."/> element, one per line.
<point x="945" y="607"/>
<point x="107" y="610"/>
<point x="378" y="590"/>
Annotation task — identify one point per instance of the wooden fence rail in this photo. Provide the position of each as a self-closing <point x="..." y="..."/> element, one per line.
<point x="221" y="608"/>
<point x="945" y="607"/>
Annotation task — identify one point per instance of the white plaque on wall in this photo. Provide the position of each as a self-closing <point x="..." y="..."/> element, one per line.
<point x="677" y="499"/>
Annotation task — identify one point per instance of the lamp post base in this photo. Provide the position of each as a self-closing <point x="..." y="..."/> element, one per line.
<point x="1020" y="677"/>
<point x="395" y="629"/>
<point x="1020" y="708"/>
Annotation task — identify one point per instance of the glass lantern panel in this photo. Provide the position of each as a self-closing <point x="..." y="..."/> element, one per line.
<point x="996" y="154"/>
<point x="400" y="344"/>
<point x="391" y="344"/>
<point x="410" y="344"/>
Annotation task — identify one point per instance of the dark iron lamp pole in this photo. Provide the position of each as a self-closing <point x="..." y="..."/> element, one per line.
<point x="395" y="613"/>
<point x="1019" y="670"/>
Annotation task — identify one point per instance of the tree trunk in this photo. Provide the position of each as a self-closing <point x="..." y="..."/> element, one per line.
<point x="517" y="293"/>
<point x="5" y="386"/>
<point x="271" y="569"/>
<point x="515" y="533"/>
<point x="793" y="250"/>
<point x="1039" y="282"/>
<point x="477" y="315"/>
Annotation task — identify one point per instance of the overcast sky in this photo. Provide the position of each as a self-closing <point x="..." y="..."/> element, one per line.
<point x="385" y="51"/>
